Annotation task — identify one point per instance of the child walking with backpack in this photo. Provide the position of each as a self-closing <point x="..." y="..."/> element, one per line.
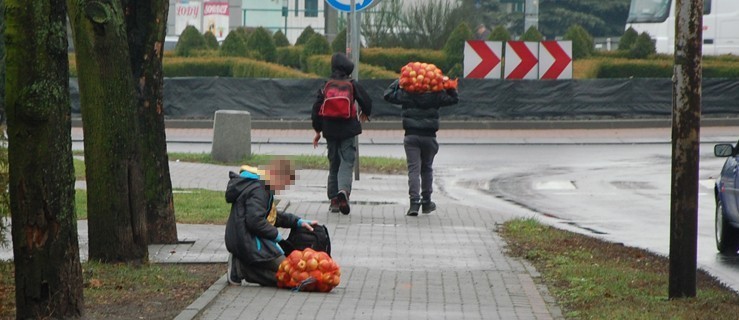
<point x="335" y="116"/>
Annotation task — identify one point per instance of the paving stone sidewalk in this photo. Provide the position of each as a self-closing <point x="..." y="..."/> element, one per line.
<point x="450" y="264"/>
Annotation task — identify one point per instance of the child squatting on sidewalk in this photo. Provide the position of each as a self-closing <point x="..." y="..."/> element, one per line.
<point x="335" y="115"/>
<point x="251" y="230"/>
<point x="420" y="114"/>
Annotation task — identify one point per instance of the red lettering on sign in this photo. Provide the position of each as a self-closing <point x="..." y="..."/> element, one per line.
<point x="188" y="11"/>
<point x="215" y="8"/>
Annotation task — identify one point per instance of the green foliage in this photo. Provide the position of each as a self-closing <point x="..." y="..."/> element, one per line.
<point x="235" y="44"/>
<point x="321" y="65"/>
<point x="454" y="47"/>
<point x="198" y="67"/>
<point x="532" y="34"/>
<point x="189" y="40"/>
<point x="619" y="68"/>
<point x="316" y="45"/>
<point x="339" y="43"/>
<point x="582" y="42"/>
<point x="499" y="33"/>
<point x="280" y="39"/>
<point x="628" y="39"/>
<point x="248" y="68"/>
<point x="643" y="47"/>
<point x="304" y="36"/>
<point x="289" y="56"/>
<point x="211" y="42"/>
<point x="600" y="18"/>
<point x="4" y="183"/>
<point x="395" y="58"/>
<point x="261" y="44"/>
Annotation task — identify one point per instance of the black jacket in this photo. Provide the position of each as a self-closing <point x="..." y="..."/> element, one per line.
<point x="341" y="68"/>
<point x="249" y="236"/>
<point x="420" y="111"/>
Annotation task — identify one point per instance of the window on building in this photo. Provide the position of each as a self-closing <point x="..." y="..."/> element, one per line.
<point x="311" y="8"/>
<point x="296" y="8"/>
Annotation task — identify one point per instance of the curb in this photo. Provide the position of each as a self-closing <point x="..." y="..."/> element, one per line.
<point x="460" y="124"/>
<point x="196" y="307"/>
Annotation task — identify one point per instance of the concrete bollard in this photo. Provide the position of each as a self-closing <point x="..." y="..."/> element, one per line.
<point x="231" y="135"/>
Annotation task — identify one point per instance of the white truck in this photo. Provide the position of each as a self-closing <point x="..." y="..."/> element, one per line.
<point x="657" y="18"/>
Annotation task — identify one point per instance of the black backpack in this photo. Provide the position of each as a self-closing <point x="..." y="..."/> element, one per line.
<point x="300" y="238"/>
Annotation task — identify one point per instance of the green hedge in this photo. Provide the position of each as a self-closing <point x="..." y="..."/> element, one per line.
<point x="197" y="67"/>
<point x="395" y="58"/>
<point x="228" y="67"/>
<point x="289" y="56"/>
<point x="248" y="68"/>
<point x="321" y="65"/>
<point x="662" y="68"/>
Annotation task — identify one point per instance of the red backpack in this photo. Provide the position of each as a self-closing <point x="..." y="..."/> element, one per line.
<point x="338" y="100"/>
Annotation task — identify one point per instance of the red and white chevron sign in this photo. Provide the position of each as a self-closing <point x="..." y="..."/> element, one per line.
<point x="555" y="60"/>
<point x="482" y="59"/>
<point x="522" y="60"/>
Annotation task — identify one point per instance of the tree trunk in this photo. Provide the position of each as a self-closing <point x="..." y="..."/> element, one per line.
<point x="146" y="25"/>
<point x="48" y="276"/>
<point x="115" y="196"/>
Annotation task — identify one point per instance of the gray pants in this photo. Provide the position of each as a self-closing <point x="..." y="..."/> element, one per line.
<point x="341" y="156"/>
<point x="419" y="153"/>
<point x="263" y="273"/>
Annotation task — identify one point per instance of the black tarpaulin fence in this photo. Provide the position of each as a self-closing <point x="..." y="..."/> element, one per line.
<point x="291" y="99"/>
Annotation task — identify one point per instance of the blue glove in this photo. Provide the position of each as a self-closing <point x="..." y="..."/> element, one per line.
<point x="279" y="237"/>
<point x="300" y="222"/>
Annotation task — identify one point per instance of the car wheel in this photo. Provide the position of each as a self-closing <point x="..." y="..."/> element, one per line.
<point x="727" y="239"/>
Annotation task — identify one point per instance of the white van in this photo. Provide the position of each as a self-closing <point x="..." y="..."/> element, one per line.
<point x="657" y="18"/>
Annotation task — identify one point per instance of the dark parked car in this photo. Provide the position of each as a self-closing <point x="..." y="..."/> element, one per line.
<point x="727" y="200"/>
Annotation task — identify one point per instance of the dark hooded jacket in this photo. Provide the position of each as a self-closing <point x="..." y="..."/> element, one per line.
<point x="337" y="129"/>
<point x="249" y="236"/>
<point x="420" y="111"/>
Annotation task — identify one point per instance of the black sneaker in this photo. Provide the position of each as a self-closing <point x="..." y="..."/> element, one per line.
<point x="343" y="200"/>
<point x="428" y="206"/>
<point x="334" y="206"/>
<point x="231" y="274"/>
<point x="413" y="209"/>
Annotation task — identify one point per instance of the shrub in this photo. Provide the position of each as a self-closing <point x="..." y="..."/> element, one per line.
<point x="189" y="40"/>
<point x="4" y="195"/>
<point x="454" y="47"/>
<point x="280" y="39"/>
<point x="305" y="36"/>
<point x="395" y="58"/>
<point x="198" y="67"/>
<point x="321" y="65"/>
<point x="643" y="47"/>
<point x="211" y="42"/>
<point x="289" y="56"/>
<point x="532" y="35"/>
<point x="582" y="42"/>
<point x="235" y="44"/>
<point x="248" y="68"/>
<point x="339" y="43"/>
<point x="499" y="33"/>
<point x="261" y="44"/>
<point x="620" y="68"/>
<point x="628" y="39"/>
<point x="317" y="44"/>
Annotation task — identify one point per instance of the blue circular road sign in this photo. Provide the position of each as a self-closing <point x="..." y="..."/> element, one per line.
<point x="345" y="5"/>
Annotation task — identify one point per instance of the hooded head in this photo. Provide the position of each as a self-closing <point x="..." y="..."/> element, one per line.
<point x="341" y="66"/>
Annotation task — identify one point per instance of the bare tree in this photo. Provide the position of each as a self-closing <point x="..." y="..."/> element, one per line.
<point x="429" y="23"/>
<point x="381" y="24"/>
<point x="115" y="179"/>
<point x="48" y="275"/>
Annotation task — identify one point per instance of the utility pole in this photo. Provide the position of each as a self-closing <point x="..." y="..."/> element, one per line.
<point x="686" y="114"/>
<point x="353" y="53"/>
